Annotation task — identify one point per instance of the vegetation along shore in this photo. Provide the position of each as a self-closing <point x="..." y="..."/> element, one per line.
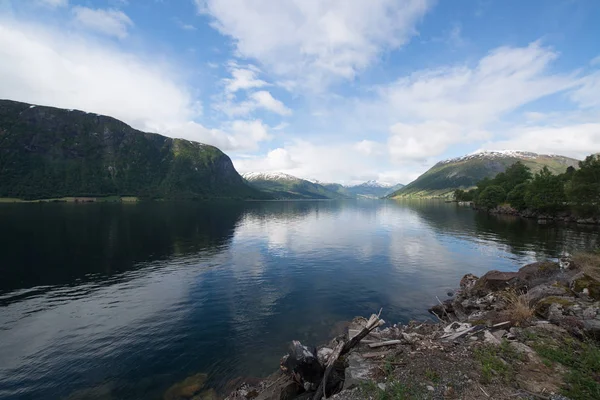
<point x="572" y="196"/>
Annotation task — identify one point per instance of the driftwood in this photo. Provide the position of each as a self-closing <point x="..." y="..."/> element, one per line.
<point x="386" y="343"/>
<point x="343" y="348"/>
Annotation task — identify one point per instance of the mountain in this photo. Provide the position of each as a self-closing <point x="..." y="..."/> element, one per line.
<point x="284" y="186"/>
<point x="49" y="152"/>
<point x="372" y="189"/>
<point x="464" y="172"/>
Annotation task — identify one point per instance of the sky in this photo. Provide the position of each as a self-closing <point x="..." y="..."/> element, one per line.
<point x="334" y="90"/>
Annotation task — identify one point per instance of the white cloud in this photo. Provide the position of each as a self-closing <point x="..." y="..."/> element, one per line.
<point x="264" y="99"/>
<point x="502" y="81"/>
<point x="328" y="38"/>
<point x="53" y="3"/>
<point x="368" y="147"/>
<point x="242" y="78"/>
<point x="576" y="140"/>
<point x="70" y="71"/>
<point x="433" y="109"/>
<point x="233" y="136"/>
<point x="588" y="95"/>
<point x="417" y="142"/>
<point x="109" y="22"/>
<point x="327" y="163"/>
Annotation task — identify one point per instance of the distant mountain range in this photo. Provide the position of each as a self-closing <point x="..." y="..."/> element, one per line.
<point x="464" y="172"/>
<point x="285" y="186"/>
<point x="370" y="189"/>
<point x="48" y="152"/>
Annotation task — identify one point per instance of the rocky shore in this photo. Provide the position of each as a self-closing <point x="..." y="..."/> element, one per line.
<point x="530" y="334"/>
<point x="561" y="216"/>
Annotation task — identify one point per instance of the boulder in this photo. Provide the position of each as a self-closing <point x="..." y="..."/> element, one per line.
<point x="592" y="328"/>
<point x="552" y="307"/>
<point x="585" y="284"/>
<point x="493" y="281"/>
<point x="538" y="272"/>
<point x="537" y="293"/>
<point x="468" y="281"/>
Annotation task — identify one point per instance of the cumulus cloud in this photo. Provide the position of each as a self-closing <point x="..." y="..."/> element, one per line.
<point x="69" y="71"/>
<point x="109" y="22"/>
<point x="233" y="136"/>
<point x="330" y="38"/>
<point x="264" y="99"/>
<point x="242" y="78"/>
<point x="430" y="110"/>
<point x="576" y="140"/>
<point x="328" y="163"/>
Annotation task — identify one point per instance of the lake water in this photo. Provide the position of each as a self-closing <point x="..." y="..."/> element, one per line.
<point x="122" y="301"/>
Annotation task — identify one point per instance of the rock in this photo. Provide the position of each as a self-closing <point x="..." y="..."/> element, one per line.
<point x="449" y="392"/>
<point x="590" y="312"/>
<point x="538" y="270"/>
<point x="492" y="282"/>
<point x="323" y="354"/>
<point x="499" y="334"/>
<point x="358" y="371"/>
<point x="551" y="307"/>
<point x="537" y="293"/>
<point x="489" y="338"/>
<point x="411" y="337"/>
<point x="592" y="328"/>
<point x="381" y="386"/>
<point x="430" y="388"/>
<point x="468" y="281"/>
<point x="187" y="388"/>
<point x="303" y="361"/>
<point x="583" y="281"/>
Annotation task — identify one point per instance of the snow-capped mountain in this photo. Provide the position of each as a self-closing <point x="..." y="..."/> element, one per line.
<point x="286" y="186"/>
<point x="492" y="154"/>
<point x="268" y="176"/>
<point x="464" y="172"/>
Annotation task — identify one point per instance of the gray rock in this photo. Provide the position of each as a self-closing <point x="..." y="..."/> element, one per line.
<point x="537" y="293"/>
<point x="430" y="388"/>
<point x="592" y="327"/>
<point x="499" y="334"/>
<point x="359" y="370"/>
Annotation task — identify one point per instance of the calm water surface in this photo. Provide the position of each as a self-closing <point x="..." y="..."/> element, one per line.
<point x="121" y="301"/>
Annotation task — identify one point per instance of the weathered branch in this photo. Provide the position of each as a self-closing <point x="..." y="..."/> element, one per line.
<point x="343" y="348"/>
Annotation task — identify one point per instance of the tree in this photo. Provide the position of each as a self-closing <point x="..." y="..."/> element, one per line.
<point x="491" y="196"/>
<point x="516" y="197"/>
<point x="585" y="183"/>
<point x="461" y="195"/>
<point x="546" y="192"/>
<point x="515" y="175"/>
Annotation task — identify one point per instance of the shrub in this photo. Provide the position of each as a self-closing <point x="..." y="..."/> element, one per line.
<point x="491" y="197"/>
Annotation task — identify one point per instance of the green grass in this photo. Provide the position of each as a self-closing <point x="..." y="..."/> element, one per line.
<point x="582" y="359"/>
<point x="497" y="362"/>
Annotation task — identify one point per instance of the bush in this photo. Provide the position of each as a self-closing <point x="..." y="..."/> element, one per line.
<point x="516" y="197"/>
<point x="491" y="197"/>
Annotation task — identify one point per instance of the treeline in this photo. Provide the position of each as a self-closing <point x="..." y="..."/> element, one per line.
<point x="577" y="190"/>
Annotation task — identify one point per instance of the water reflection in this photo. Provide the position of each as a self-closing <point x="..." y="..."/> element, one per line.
<point x="129" y="299"/>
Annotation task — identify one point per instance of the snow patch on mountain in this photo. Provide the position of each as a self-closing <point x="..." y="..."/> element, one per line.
<point x="498" y="154"/>
<point x="268" y="176"/>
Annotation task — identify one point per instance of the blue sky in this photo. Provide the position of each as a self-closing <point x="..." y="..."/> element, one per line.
<point x="335" y="90"/>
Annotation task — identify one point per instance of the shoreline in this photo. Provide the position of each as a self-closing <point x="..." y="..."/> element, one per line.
<point x="505" y="335"/>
